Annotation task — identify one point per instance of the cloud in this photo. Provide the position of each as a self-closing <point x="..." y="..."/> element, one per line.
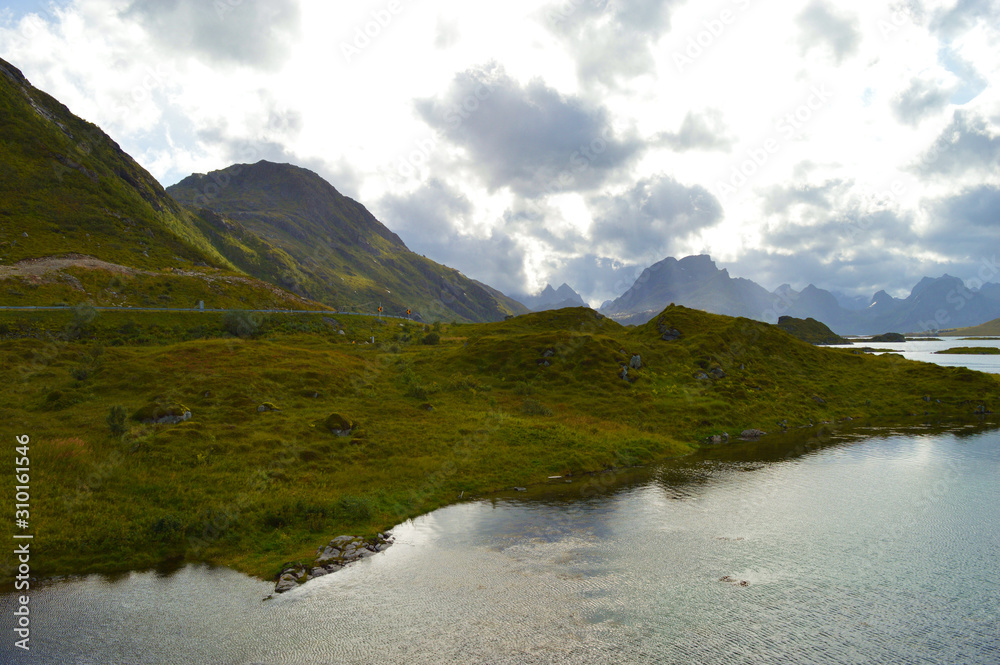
<point x="822" y="25"/>
<point x="430" y="220"/>
<point x="706" y="131"/>
<point x="963" y="16"/>
<point x="968" y="143"/>
<point x="920" y="100"/>
<point x="610" y="41"/>
<point x="647" y="221"/>
<point x="256" y="34"/>
<point x="780" y="198"/>
<point x="529" y="138"/>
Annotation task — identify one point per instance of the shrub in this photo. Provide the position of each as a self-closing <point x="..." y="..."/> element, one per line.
<point x="431" y="338"/>
<point x="117" y="416"/>
<point x="242" y="323"/>
<point x="535" y="408"/>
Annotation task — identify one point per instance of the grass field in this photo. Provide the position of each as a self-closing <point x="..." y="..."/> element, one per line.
<point x="442" y="410"/>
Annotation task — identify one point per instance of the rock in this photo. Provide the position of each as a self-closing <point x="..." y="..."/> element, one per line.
<point x="286" y="582"/>
<point x="521" y="489"/>
<point x="635" y="362"/>
<point x="427" y="406"/>
<point x="318" y="572"/>
<point x="542" y="362"/>
<point x="623" y="373"/>
<point x="267" y="406"/>
<point x="162" y="414"/>
<point x="715" y="438"/>
<point x="818" y="399"/>
<point x="717" y="373"/>
<point x="667" y="333"/>
<point x="701" y="375"/>
<point x="341" y="332"/>
<point x="927" y="398"/>
<point x="752" y="433"/>
<point x="548" y="353"/>
<point x="339" y="425"/>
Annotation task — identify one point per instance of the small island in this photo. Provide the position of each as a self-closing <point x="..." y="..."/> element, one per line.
<point x="971" y="351"/>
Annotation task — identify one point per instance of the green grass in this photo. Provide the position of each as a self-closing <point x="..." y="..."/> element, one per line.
<point x="477" y="412"/>
<point x="971" y="351"/>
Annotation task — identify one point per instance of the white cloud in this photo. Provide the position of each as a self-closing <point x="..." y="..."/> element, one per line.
<point x="842" y="98"/>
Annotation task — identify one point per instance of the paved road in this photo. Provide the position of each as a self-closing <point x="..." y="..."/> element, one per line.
<point x="185" y="309"/>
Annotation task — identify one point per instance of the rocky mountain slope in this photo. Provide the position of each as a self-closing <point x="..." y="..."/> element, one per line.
<point x="330" y="248"/>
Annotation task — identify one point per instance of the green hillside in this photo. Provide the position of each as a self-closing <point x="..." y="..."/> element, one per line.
<point x="256" y="478"/>
<point x="988" y="329"/>
<point x="810" y="330"/>
<point x="82" y="222"/>
<point x="328" y="247"/>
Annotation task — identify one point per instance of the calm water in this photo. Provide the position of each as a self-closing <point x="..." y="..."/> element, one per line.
<point x="925" y="351"/>
<point x="861" y="546"/>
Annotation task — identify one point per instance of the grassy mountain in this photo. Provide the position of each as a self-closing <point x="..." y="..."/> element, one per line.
<point x="489" y="406"/>
<point x="810" y="330"/>
<point x="988" y="329"/>
<point x="328" y="247"/>
<point x="81" y="221"/>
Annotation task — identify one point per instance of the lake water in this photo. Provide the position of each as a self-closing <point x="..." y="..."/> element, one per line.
<point x="856" y="545"/>
<point x="925" y="351"/>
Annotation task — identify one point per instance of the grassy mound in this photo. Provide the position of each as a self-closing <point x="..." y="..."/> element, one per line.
<point x="488" y="407"/>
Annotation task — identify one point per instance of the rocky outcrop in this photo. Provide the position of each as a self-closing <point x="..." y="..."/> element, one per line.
<point x="335" y="555"/>
<point x="751" y="434"/>
<point x="156" y="413"/>
<point x="339" y="425"/>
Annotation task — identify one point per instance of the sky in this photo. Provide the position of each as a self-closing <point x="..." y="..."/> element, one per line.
<point x="854" y="145"/>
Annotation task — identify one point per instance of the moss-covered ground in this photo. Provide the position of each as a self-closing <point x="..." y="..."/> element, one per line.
<point x="459" y="409"/>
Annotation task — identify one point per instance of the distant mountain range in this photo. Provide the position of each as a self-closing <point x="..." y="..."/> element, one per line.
<point x="551" y="298"/>
<point x="695" y="281"/>
<point x="277" y="235"/>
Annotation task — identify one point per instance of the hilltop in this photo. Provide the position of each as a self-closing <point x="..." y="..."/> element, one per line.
<point x="82" y="222"/>
<point x="330" y="248"/>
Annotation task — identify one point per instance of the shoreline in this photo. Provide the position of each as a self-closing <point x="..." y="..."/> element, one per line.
<point x="804" y="439"/>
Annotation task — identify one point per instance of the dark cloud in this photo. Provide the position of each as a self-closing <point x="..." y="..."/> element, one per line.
<point x="610" y="40"/>
<point x="257" y="34"/>
<point x="822" y="25"/>
<point x="646" y="222"/>
<point x="964" y="225"/>
<point x="919" y="100"/>
<point x="851" y="250"/>
<point x="706" y="131"/>
<point x="964" y="15"/>
<point x="969" y="142"/>
<point x="529" y="138"/>
<point x="428" y="221"/>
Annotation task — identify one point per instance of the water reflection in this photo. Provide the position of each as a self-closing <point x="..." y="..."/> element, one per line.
<point x="855" y="544"/>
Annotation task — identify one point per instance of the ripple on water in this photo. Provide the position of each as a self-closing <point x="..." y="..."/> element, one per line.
<point x="872" y="550"/>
